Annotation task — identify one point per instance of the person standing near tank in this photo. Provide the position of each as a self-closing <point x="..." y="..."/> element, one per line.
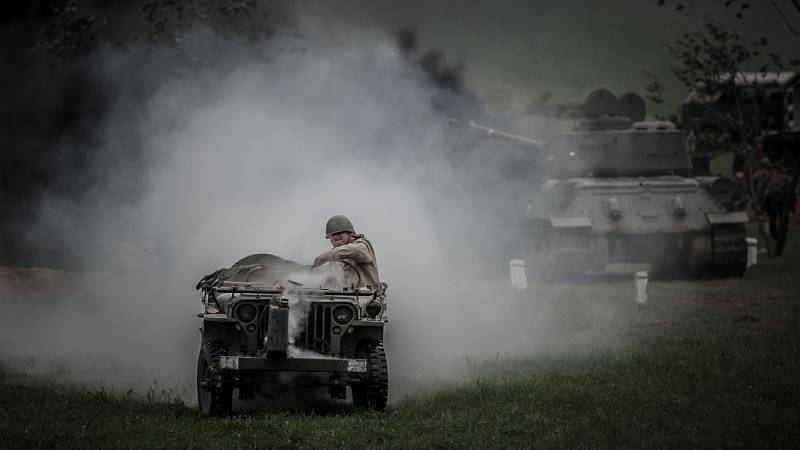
<point x="352" y="255"/>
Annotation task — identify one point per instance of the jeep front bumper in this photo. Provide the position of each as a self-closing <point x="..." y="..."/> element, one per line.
<point x="262" y="364"/>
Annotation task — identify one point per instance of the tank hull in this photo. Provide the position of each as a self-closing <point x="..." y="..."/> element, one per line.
<point x="672" y="223"/>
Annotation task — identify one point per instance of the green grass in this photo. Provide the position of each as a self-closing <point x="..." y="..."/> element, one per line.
<point x="705" y="364"/>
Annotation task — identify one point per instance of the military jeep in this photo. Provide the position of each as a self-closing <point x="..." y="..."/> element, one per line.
<point x="254" y="335"/>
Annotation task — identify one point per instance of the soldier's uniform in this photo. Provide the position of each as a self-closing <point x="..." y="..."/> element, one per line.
<point x="355" y="263"/>
<point x="775" y="202"/>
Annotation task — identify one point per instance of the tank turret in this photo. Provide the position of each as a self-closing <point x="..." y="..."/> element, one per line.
<point x="621" y="191"/>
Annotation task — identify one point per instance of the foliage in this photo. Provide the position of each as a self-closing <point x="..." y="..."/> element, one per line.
<point x="654" y="90"/>
<point x="69" y="32"/>
<point x="714" y="62"/>
<point x="81" y="26"/>
<point x="713" y="55"/>
<point x="731" y="109"/>
<point x="787" y="10"/>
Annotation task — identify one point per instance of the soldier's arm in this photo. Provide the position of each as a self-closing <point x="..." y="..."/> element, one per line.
<point x="357" y="251"/>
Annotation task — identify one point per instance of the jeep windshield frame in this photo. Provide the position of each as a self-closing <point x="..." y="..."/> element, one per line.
<point x="237" y="287"/>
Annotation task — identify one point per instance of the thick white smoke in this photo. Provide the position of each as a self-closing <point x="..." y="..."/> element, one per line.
<point x="254" y="158"/>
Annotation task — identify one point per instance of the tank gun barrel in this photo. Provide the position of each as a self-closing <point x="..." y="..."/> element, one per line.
<point x="505" y="135"/>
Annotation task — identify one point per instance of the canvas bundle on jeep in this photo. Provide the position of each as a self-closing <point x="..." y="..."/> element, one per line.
<point x="260" y="267"/>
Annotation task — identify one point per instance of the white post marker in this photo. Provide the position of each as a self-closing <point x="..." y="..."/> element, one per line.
<point x="519" y="280"/>
<point x="640" y="288"/>
<point x="752" y="251"/>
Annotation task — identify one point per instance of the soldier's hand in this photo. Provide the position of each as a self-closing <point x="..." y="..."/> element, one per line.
<point x="319" y="260"/>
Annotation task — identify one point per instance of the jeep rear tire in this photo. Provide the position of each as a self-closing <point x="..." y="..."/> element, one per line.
<point x="374" y="392"/>
<point x="214" y="397"/>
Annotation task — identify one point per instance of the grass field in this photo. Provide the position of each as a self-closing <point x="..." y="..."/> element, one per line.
<point x="705" y="364"/>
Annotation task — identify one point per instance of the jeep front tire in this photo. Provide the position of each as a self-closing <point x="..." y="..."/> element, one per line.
<point x="373" y="393"/>
<point x="214" y="397"/>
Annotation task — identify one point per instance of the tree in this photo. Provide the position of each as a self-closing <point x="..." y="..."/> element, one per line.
<point x="77" y="27"/>
<point x="789" y="13"/>
<point x="787" y="10"/>
<point x="717" y="64"/>
<point x="58" y="99"/>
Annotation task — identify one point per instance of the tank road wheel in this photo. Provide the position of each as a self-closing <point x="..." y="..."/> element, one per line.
<point x="564" y="267"/>
<point x="214" y="398"/>
<point x="565" y="256"/>
<point x="534" y="269"/>
<point x="536" y="261"/>
<point x="668" y="270"/>
<point x="542" y="268"/>
<point x="374" y="392"/>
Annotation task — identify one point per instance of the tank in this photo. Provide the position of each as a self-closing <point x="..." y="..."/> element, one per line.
<point x="620" y="190"/>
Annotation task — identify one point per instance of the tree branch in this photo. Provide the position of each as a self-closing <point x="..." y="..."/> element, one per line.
<point x="796" y="3"/>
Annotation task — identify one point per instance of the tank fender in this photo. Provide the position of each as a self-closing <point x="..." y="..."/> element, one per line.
<point x="571" y="222"/>
<point x="731" y="217"/>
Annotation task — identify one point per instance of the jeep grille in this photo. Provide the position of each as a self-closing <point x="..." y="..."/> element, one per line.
<point x="318" y="329"/>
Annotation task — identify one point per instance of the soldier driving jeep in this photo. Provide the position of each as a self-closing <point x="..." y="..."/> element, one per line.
<point x="352" y="258"/>
<point x="353" y="253"/>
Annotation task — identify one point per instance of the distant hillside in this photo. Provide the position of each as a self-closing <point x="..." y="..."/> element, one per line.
<point x="517" y="49"/>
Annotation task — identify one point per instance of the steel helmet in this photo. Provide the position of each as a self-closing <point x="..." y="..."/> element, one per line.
<point x="338" y="224"/>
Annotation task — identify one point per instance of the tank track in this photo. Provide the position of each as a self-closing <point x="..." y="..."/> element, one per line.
<point x="729" y="251"/>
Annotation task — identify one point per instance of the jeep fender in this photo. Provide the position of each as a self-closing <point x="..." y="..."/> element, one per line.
<point x="221" y="330"/>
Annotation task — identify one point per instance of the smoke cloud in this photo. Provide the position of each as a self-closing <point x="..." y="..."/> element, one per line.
<point x="252" y="157"/>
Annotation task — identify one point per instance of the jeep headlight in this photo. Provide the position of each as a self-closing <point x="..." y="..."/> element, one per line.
<point x="246" y="312"/>
<point x="373" y="310"/>
<point x="343" y="315"/>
